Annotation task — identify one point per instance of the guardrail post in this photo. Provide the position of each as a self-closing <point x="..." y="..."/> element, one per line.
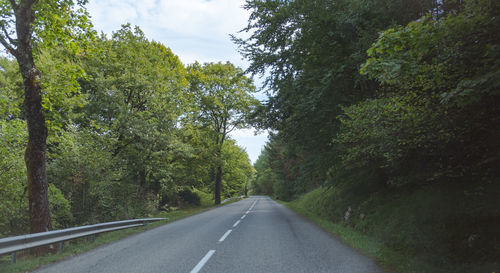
<point x="13" y="258"/>
<point x="61" y="247"/>
<point x="92" y="238"/>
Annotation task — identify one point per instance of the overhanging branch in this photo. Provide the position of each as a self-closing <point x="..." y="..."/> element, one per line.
<point x="8" y="46"/>
<point x="6" y="33"/>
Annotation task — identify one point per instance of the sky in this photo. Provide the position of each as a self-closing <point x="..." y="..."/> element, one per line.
<point x="195" y="30"/>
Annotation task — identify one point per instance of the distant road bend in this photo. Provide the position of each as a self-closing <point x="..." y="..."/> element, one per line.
<point x="253" y="235"/>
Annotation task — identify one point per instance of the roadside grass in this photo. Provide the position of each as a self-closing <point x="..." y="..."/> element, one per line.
<point x="389" y="259"/>
<point x="25" y="262"/>
<point x="440" y="227"/>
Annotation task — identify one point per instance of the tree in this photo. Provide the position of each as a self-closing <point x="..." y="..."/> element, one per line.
<point x="237" y="170"/>
<point x="265" y="178"/>
<point x="440" y="98"/>
<point x="223" y="99"/>
<point x="134" y="90"/>
<point x="24" y="24"/>
<point x="311" y="51"/>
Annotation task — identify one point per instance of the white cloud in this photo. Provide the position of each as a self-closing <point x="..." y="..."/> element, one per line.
<point x="216" y="18"/>
<point x="108" y="15"/>
<point x="190" y="27"/>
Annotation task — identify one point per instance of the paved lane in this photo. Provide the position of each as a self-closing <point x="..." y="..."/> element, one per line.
<point x="252" y="235"/>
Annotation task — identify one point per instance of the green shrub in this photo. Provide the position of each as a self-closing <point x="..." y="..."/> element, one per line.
<point x="60" y="209"/>
<point x="206" y="198"/>
<point x="189" y="197"/>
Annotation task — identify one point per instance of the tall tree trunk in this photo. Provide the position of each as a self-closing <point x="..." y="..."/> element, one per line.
<point x="142" y="176"/>
<point x="218" y="174"/>
<point x="35" y="156"/>
<point x="218" y="183"/>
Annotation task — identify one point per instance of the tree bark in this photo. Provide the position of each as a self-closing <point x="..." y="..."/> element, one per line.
<point x="218" y="183"/>
<point x="35" y="155"/>
<point x="218" y="175"/>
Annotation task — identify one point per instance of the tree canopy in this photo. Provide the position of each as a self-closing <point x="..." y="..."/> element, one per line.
<point x="224" y="103"/>
<point x="128" y="134"/>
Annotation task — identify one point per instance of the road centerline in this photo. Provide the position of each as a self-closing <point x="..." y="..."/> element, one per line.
<point x="224" y="236"/>
<point x="203" y="261"/>
<point x="237" y="222"/>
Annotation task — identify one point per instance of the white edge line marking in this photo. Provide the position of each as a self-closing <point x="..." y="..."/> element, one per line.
<point x="242" y="217"/>
<point x="224" y="236"/>
<point x="203" y="261"/>
<point x="237" y="222"/>
<point x="247" y="212"/>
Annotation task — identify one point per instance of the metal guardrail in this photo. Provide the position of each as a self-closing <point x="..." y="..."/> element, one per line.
<point x="23" y="242"/>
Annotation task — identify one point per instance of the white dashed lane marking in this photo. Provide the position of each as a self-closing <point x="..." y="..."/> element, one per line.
<point x="203" y="261"/>
<point x="224" y="236"/>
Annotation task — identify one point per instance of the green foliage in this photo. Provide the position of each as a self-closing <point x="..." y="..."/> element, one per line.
<point x="84" y="170"/>
<point x="60" y="209"/>
<point x="13" y="188"/>
<point x="134" y="88"/>
<point x="14" y="207"/>
<point x="125" y="137"/>
<point x="401" y="135"/>
<point x="312" y="51"/>
<point x="11" y="89"/>
<point x="58" y="23"/>
<point x="189" y="197"/>
<point x="206" y="198"/>
<point x="455" y="56"/>
<point x="27" y="27"/>
<point x="223" y="102"/>
<point x="237" y="170"/>
<point x="193" y="165"/>
<point x="61" y="91"/>
<point x="223" y="96"/>
<point x="427" y="126"/>
<point x="265" y="177"/>
<point x="61" y="32"/>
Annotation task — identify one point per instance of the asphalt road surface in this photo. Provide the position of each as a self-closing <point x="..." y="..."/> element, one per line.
<point x="253" y="235"/>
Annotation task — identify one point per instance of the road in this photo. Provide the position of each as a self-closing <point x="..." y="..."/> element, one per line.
<point x="253" y="235"/>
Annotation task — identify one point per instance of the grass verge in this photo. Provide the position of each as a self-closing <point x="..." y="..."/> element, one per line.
<point x="389" y="259"/>
<point x="25" y="262"/>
